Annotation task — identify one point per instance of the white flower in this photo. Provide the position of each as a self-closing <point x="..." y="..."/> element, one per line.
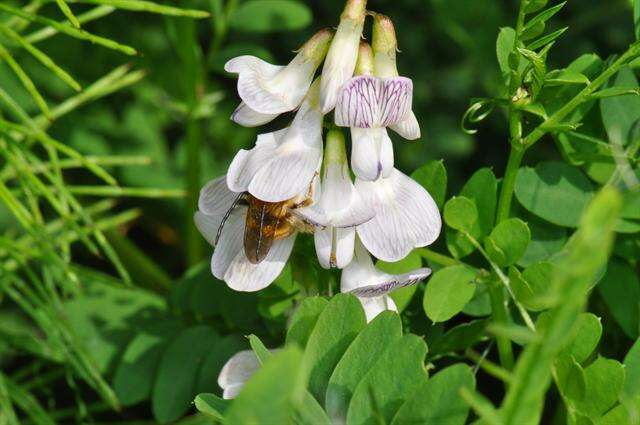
<point x="283" y="163"/>
<point x="341" y="59"/>
<point x="236" y="372"/>
<point x="368" y="104"/>
<point x="342" y="206"/>
<point x="268" y="90"/>
<point x="229" y="261"/>
<point x="406" y="217"/>
<point x="372" y="286"/>
<point x="385" y="47"/>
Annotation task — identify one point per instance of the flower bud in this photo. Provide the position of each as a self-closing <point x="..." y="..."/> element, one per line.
<point x="341" y="58"/>
<point x="385" y="46"/>
<point x="316" y="47"/>
<point x="364" y="65"/>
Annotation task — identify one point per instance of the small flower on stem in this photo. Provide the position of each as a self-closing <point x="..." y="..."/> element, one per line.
<point x="406" y="216"/>
<point x="341" y="59"/>
<point x="372" y="286"/>
<point x="283" y="163"/>
<point x="341" y="204"/>
<point x="268" y="90"/>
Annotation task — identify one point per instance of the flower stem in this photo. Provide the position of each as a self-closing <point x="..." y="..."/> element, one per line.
<point x="437" y="258"/>
<point x="508" y="183"/>
<point x="501" y="316"/>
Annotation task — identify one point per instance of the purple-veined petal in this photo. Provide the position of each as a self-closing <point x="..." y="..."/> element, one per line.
<point x="371" y="153"/>
<point x="247" y="117"/>
<point x="392" y="283"/>
<point x="395" y="102"/>
<point x="406" y="216"/>
<point x="358" y="103"/>
<point x="408" y="128"/>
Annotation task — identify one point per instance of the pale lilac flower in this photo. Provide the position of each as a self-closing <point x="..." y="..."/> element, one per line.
<point x="341" y="204"/>
<point x="406" y="216"/>
<point x="372" y="285"/>
<point x="236" y="372"/>
<point x="341" y="59"/>
<point x="229" y="261"/>
<point x="268" y="90"/>
<point x="283" y="163"/>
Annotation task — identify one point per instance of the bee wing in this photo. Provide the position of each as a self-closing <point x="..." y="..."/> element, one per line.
<point x="262" y="221"/>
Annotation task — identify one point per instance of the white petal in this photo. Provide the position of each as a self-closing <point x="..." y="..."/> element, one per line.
<point x="230" y="243"/>
<point x="216" y="198"/>
<point x="360" y="272"/>
<point x="244" y="276"/>
<point x="392" y="283"/>
<point x="406" y="216"/>
<point x="247" y="163"/>
<point x="247" y="117"/>
<point x="334" y="247"/>
<point x="371" y="153"/>
<point x="291" y="168"/>
<point x="374" y="306"/>
<point x="313" y="215"/>
<point x="340" y="200"/>
<point x="408" y="128"/>
<point x="270" y="89"/>
<point x="358" y="103"/>
<point x="322" y="239"/>
<point x="344" y="245"/>
<point x="395" y="103"/>
<point x="340" y="62"/>
<point x="236" y="372"/>
<point x="207" y="225"/>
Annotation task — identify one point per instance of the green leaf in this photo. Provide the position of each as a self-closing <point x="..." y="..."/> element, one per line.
<point x="460" y="337"/>
<point x="270" y="16"/>
<point x="460" y="213"/>
<point x="636" y="18"/>
<point x="604" y="379"/>
<point x="534" y="5"/>
<point x="504" y="47"/>
<point x="585" y="337"/>
<point x="304" y="320"/>
<point x="175" y="383"/>
<point x="631" y="389"/>
<point x="480" y="304"/>
<point x="390" y="381"/>
<point x="531" y="288"/>
<point x="554" y="191"/>
<point x="337" y="327"/>
<point x="274" y="392"/>
<point x="223" y="350"/>
<point x="438" y="400"/>
<point x="570" y="378"/>
<point x="541" y="18"/>
<point x="508" y="241"/>
<point x="620" y="290"/>
<point x="620" y="113"/>
<point x="545" y="40"/>
<point x="564" y="76"/>
<point x="546" y="240"/>
<point x="262" y="353"/>
<point x="433" y="177"/>
<point x="402" y="297"/>
<point x="212" y="405"/>
<point x="383" y="331"/>
<point x="448" y="291"/>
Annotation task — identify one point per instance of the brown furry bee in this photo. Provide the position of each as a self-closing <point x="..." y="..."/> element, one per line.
<point x="267" y="222"/>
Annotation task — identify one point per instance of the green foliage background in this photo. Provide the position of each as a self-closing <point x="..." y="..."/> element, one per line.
<point x="108" y="310"/>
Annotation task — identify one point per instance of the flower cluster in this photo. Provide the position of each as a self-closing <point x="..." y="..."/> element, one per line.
<point x="290" y="183"/>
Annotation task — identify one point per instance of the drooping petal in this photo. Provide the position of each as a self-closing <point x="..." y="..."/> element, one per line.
<point x="358" y="102"/>
<point x="334" y="246"/>
<point x="374" y="306"/>
<point x="395" y="102"/>
<point x="216" y="198"/>
<point x="270" y="89"/>
<point x="207" y="225"/>
<point x="247" y="117"/>
<point x="344" y="244"/>
<point x="391" y="283"/>
<point x="244" y="276"/>
<point x="236" y="372"/>
<point x="406" y="216"/>
<point x="322" y="239"/>
<point x="371" y="153"/>
<point x="408" y="128"/>
<point x="230" y="244"/>
<point x="247" y="163"/>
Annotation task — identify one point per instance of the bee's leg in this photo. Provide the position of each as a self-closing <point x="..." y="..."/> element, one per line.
<point x="227" y="214"/>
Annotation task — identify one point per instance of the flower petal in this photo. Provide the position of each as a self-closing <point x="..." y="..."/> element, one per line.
<point x="236" y="372"/>
<point x="247" y="163"/>
<point x="322" y="239"/>
<point x="361" y="271"/>
<point x="244" y="276"/>
<point x="408" y="128"/>
<point x="406" y="216"/>
<point x="334" y="247"/>
<point x="392" y="283"/>
<point x="247" y="117"/>
<point x="207" y="225"/>
<point x="230" y="244"/>
<point x="358" y="103"/>
<point x="395" y="102"/>
<point x="313" y="215"/>
<point x="371" y="153"/>
<point x="374" y="306"/>
<point x="216" y="198"/>
<point x="344" y="245"/>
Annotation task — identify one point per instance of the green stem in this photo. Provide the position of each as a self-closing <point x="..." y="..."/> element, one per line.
<point x="437" y="258"/>
<point x="488" y="366"/>
<point x="501" y="316"/>
<point x="508" y="183"/>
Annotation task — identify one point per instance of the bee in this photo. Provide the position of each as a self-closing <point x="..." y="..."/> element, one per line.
<point x="267" y="222"/>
